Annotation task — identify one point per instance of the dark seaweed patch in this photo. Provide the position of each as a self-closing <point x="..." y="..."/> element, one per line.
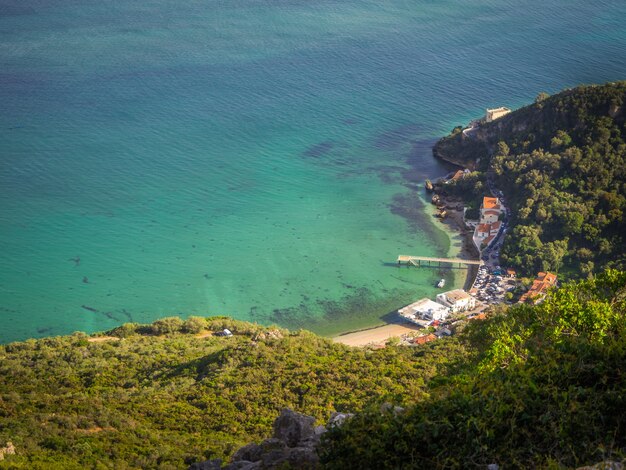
<point x="411" y="208"/>
<point x="319" y="150"/>
<point x="388" y="174"/>
<point x="127" y="314"/>
<point x="292" y="317"/>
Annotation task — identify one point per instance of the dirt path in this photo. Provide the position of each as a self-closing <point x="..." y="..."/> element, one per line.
<point x="101" y="339"/>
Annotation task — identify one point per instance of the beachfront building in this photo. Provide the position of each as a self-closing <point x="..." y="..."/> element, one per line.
<point x="495" y="113"/>
<point x="484" y="234"/>
<point x="456" y="300"/>
<point x="489" y="224"/>
<point x="424" y="312"/>
<point x="424" y="339"/>
<point x="538" y="290"/>
<point x="490" y="210"/>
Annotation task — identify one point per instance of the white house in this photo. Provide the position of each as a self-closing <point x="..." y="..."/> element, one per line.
<point x="490" y="210"/>
<point x="457" y="300"/>
<point x="489" y="216"/>
<point x="489" y="225"/>
<point x="424" y="312"/>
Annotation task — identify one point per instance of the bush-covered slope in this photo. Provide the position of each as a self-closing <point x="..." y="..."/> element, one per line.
<point x="165" y="401"/>
<point x="530" y="387"/>
<point x="549" y="391"/>
<point x="561" y="163"/>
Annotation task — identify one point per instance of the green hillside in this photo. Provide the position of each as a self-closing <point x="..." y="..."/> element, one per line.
<point x="529" y="387"/>
<point x="561" y="163"/>
<point x="161" y="396"/>
<point x="549" y="391"/>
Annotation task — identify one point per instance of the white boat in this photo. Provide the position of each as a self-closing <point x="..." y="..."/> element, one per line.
<point x="441" y="283"/>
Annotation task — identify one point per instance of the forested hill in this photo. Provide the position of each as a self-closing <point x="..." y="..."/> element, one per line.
<point x="561" y="163"/>
<point x="529" y="387"/>
<point x="172" y="393"/>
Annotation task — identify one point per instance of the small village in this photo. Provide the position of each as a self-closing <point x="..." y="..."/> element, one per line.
<point x="492" y="283"/>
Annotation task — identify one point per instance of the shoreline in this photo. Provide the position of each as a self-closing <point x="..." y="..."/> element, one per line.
<point x="455" y="227"/>
<point x="460" y="238"/>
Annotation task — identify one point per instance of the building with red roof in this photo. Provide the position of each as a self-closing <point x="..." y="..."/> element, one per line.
<point x="538" y="290"/>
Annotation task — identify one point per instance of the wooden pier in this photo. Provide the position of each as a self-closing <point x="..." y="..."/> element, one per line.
<point x="419" y="261"/>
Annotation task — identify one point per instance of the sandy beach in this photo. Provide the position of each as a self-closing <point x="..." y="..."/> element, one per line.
<point x="375" y="336"/>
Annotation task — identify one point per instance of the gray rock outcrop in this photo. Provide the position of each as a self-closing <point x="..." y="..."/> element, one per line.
<point x="293" y="445"/>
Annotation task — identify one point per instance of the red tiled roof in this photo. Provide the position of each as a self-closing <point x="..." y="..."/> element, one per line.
<point x="480" y="316"/>
<point x="490" y="202"/>
<point x="485" y="228"/>
<point x="540" y="286"/>
<point x="492" y="212"/>
<point x="425" y="339"/>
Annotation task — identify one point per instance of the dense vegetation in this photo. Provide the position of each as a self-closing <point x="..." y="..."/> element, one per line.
<point x="548" y="391"/>
<point x="532" y="386"/>
<point x="561" y="164"/>
<point x="165" y="396"/>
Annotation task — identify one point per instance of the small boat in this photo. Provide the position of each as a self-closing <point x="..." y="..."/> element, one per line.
<point x="441" y="283"/>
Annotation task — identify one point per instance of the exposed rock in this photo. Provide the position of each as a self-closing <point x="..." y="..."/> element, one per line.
<point x="614" y="110"/>
<point x="9" y="449"/>
<point x="388" y="407"/>
<point x="294" y="445"/>
<point x="243" y="465"/>
<point x="303" y="458"/>
<point x="269" y="335"/>
<point x="271" y="445"/>
<point x="606" y="465"/>
<point x="251" y="452"/>
<point x="215" y="464"/>
<point x="293" y="427"/>
<point x="337" y="419"/>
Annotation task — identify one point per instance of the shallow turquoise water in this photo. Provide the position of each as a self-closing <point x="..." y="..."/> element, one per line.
<point x="256" y="159"/>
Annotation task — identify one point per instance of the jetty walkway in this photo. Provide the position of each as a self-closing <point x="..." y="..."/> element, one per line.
<point x="419" y="261"/>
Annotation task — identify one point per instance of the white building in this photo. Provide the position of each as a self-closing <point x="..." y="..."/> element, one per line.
<point x="484" y="234"/>
<point x="490" y="210"/>
<point x="457" y="300"/>
<point x="424" y="312"/>
<point x="495" y="113"/>
<point x="489" y="224"/>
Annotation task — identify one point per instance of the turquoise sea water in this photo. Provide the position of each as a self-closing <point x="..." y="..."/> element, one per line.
<point x="257" y="159"/>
